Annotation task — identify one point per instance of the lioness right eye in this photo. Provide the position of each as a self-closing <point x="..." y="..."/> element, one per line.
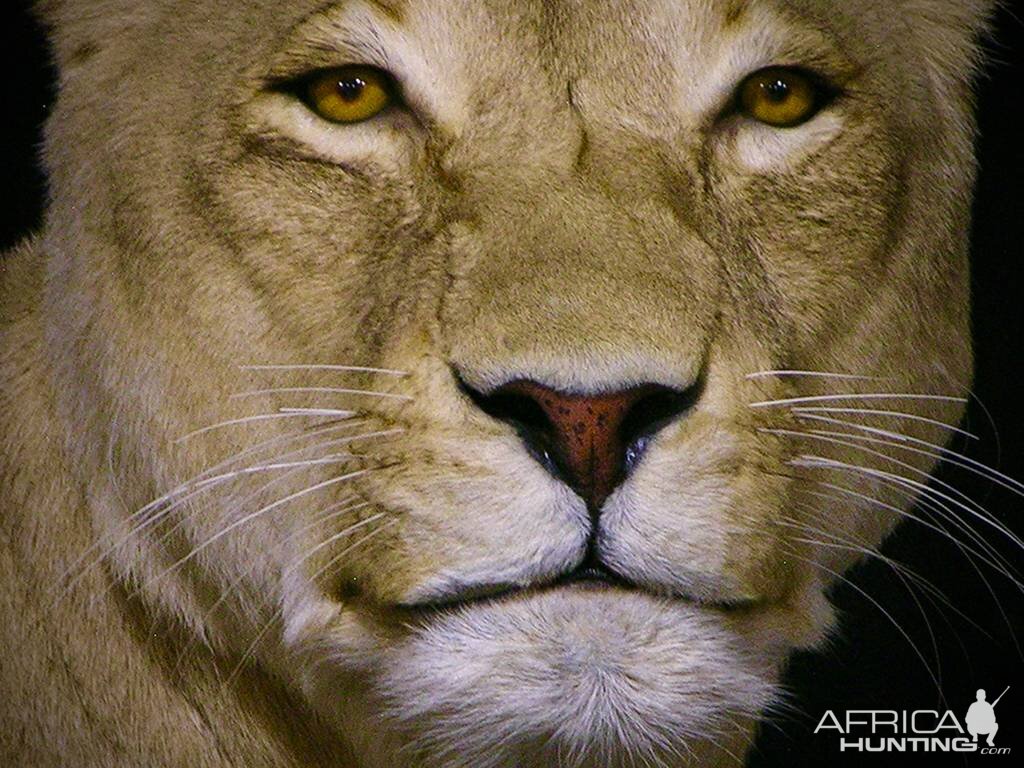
<point x="348" y="94"/>
<point x="782" y="97"/>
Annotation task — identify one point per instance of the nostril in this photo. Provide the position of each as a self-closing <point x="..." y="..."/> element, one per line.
<point x="650" y="414"/>
<point x="524" y="414"/>
<point x="512" y="407"/>
<point x="591" y="442"/>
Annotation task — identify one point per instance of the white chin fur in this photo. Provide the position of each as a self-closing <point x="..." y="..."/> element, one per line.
<point x="572" y="677"/>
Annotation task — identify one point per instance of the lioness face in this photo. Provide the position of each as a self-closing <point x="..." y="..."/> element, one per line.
<point x="522" y="473"/>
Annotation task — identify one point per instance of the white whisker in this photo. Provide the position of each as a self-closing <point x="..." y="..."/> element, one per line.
<point x="334" y="458"/>
<point x="881" y="608"/>
<point x="904" y="573"/>
<point x="146" y="521"/>
<point x="203" y="483"/>
<point x="284" y="414"/>
<point x="343" y="507"/>
<point x="330" y="563"/>
<point x="983" y="515"/>
<point x="315" y="412"/>
<point x="330" y="512"/>
<point x="343" y="368"/>
<point x="847" y="440"/>
<point x="902" y="570"/>
<point x="857" y="396"/>
<point x="981" y="512"/>
<point x="318" y="391"/>
<point x="810" y="374"/>
<point x="1002" y="567"/>
<point x="251" y="649"/>
<point x="197" y="485"/>
<point x="987" y="554"/>
<point x="941" y="453"/>
<point x="333" y="538"/>
<point x="804" y="410"/>
<point x="304" y="433"/>
<point x="253" y="515"/>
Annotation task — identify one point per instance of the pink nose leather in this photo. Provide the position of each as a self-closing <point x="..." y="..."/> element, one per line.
<point x="585" y="434"/>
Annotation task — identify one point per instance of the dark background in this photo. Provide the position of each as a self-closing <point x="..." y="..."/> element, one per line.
<point x="871" y="664"/>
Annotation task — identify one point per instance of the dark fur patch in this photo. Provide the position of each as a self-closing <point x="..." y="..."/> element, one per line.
<point x="83" y="54"/>
<point x="392" y="9"/>
<point x="735" y="11"/>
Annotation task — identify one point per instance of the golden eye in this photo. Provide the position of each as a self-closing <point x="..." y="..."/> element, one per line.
<point x="349" y="94"/>
<point x="779" y="96"/>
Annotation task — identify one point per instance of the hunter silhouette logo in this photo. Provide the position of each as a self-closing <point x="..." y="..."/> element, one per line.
<point x="981" y="717"/>
<point x="919" y="730"/>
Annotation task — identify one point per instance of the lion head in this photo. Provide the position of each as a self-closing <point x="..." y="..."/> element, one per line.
<point x="482" y="370"/>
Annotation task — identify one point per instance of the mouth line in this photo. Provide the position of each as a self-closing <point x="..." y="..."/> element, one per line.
<point x="590" y="578"/>
<point x="593" y="577"/>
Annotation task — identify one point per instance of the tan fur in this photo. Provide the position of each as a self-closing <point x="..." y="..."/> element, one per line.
<point x="562" y="205"/>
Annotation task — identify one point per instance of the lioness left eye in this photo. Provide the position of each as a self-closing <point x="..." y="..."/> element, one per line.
<point x="782" y="97"/>
<point x="348" y="94"/>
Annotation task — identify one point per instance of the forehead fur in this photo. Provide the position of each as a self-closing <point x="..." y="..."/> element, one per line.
<point x="946" y="28"/>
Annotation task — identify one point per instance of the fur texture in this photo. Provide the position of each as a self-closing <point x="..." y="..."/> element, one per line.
<point x="565" y="197"/>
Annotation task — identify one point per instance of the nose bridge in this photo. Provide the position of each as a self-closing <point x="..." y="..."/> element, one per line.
<point x="549" y="229"/>
<point x="578" y="290"/>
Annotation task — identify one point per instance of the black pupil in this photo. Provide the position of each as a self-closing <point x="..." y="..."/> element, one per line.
<point x="351" y="89"/>
<point x="776" y="90"/>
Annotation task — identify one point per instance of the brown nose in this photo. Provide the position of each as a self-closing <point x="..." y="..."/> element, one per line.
<point x="589" y="441"/>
